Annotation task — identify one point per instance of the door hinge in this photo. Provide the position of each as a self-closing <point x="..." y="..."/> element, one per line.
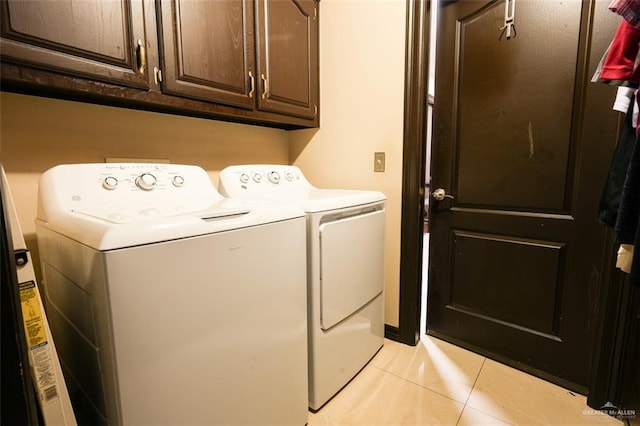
<point x="157" y="75"/>
<point x="315" y="110"/>
<point x="315" y="12"/>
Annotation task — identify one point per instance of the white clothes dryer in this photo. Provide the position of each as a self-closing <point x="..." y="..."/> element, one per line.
<point x="345" y="261"/>
<point x="170" y="304"/>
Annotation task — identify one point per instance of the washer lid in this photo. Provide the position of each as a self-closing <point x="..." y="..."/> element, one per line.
<point x="121" y="230"/>
<point x="123" y="214"/>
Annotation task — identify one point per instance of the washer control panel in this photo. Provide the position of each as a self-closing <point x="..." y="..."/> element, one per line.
<point x="261" y="178"/>
<point x="115" y="190"/>
<point x="145" y="177"/>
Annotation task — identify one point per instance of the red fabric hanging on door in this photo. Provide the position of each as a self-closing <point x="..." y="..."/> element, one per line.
<point x="621" y="61"/>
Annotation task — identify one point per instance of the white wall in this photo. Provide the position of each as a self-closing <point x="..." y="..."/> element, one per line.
<point x="362" y="56"/>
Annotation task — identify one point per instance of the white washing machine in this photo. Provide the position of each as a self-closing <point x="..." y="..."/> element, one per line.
<point x="345" y="258"/>
<point x="170" y="304"/>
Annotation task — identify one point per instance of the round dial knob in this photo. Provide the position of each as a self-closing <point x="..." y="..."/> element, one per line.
<point x="274" y="177"/>
<point x="177" y="181"/>
<point x="244" y="178"/>
<point x="288" y="176"/>
<point x="146" y="181"/>
<point x="110" y="182"/>
<point x="257" y="177"/>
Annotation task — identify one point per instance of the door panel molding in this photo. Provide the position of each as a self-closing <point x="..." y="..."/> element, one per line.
<point x="506" y="323"/>
<point x="520" y="132"/>
<point x="536" y="285"/>
<point x="539" y="215"/>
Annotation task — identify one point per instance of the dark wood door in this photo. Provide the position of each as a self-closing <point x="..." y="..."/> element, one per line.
<point x="288" y="56"/>
<point x="103" y="40"/>
<point x="522" y="141"/>
<point x="208" y="50"/>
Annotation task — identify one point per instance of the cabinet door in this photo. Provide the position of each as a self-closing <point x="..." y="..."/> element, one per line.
<point x="288" y="56"/>
<point x="102" y="40"/>
<point x="207" y="49"/>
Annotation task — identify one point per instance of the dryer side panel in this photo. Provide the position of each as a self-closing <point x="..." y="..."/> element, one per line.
<point x="351" y="265"/>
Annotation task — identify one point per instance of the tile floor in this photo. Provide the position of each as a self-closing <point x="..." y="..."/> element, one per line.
<point x="436" y="383"/>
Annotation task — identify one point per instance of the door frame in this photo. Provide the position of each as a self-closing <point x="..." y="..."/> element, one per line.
<point x="413" y="171"/>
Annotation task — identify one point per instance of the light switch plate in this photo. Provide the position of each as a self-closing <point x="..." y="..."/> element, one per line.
<point x="378" y="161"/>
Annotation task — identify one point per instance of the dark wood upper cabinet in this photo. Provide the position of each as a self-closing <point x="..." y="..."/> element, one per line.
<point x="288" y="56"/>
<point x="102" y="40"/>
<point x="250" y="61"/>
<point x="208" y="50"/>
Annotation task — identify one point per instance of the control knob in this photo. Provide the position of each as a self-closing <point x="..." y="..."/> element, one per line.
<point x="274" y="177"/>
<point x="146" y="181"/>
<point x="110" y="182"/>
<point x="177" y="181"/>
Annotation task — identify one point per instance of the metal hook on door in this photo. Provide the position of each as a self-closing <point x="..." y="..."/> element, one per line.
<point x="509" y="20"/>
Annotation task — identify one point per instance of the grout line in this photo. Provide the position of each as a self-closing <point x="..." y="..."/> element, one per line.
<point x="476" y="380"/>
<point x="476" y="409"/>
<point x="472" y="388"/>
<point x="486" y="414"/>
<point x="417" y="384"/>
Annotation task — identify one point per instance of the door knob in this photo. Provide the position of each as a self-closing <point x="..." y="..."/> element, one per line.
<point x="440" y="194"/>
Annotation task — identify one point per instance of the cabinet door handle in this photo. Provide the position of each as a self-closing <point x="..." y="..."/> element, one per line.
<point x="252" y="84"/>
<point x="265" y="85"/>
<point x="141" y="57"/>
<point x="157" y="76"/>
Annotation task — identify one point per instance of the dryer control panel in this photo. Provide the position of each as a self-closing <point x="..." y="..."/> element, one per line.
<point x="288" y="184"/>
<point x="260" y="179"/>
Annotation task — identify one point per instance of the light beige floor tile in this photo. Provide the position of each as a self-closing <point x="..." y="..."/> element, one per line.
<point x="521" y="399"/>
<point x="473" y="417"/>
<point x="439" y="366"/>
<point x="375" y="397"/>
